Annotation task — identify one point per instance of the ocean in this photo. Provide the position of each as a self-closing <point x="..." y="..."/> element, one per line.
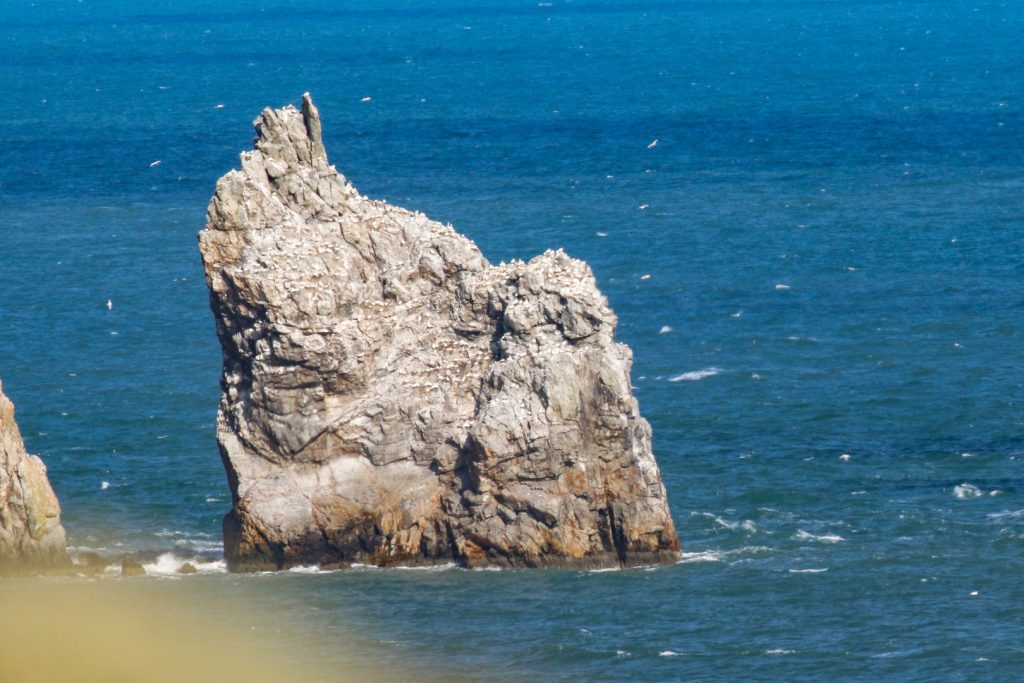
<point x="807" y="214"/>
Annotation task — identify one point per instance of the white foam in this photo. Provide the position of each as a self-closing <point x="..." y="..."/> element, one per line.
<point x="104" y="485"/>
<point x="668" y="653"/>
<point x="705" y="556"/>
<point x="780" y="651"/>
<point x="447" y="566"/>
<point x="820" y="570"/>
<point x="781" y="287"/>
<point x="802" y="535"/>
<point x="746" y="525"/>
<point x="623" y="653"/>
<point x="721" y="556"/>
<point x="309" y="569"/>
<point x="966" y="491"/>
<point x="665" y="329"/>
<point x="695" y="375"/>
<point x="168" y="564"/>
<point x="1009" y="514"/>
<point x="172" y="533"/>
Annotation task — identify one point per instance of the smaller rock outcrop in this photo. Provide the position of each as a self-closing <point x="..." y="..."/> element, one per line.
<point x="31" y="536"/>
<point x="132" y="567"/>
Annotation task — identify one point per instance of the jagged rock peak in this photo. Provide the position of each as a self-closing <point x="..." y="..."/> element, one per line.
<point x="390" y="397"/>
<point x="31" y="536"/>
<point x="282" y="135"/>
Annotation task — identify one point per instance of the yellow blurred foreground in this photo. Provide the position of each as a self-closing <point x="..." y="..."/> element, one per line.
<point x="109" y="631"/>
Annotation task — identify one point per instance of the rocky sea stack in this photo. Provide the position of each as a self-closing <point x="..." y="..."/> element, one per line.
<point x="390" y="397"/>
<point x="31" y="536"/>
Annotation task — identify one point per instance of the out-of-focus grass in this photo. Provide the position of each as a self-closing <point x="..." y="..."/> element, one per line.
<point x="66" y="631"/>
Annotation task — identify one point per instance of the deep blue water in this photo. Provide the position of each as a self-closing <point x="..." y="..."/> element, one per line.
<point x="831" y="219"/>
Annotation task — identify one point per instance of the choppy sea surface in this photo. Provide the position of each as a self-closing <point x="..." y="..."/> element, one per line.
<point x="808" y="216"/>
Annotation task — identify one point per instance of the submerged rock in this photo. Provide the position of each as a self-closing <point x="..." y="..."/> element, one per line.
<point x="90" y="563"/>
<point x="31" y="536"/>
<point x="131" y="567"/>
<point x="390" y="397"/>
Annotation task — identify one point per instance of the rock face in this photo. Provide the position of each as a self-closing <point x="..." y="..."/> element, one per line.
<point x="31" y="536"/>
<point x="390" y="397"/>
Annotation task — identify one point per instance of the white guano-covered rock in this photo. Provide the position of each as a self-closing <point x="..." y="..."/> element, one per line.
<point x="390" y="397"/>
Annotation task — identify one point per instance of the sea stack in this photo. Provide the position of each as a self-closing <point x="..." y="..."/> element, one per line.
<point x="389" y="397"/>
<point x="31" y="536"/>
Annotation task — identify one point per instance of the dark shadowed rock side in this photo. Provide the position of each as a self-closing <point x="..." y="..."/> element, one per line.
<point x="390" y="397"/>
<point x="31" y="536"/>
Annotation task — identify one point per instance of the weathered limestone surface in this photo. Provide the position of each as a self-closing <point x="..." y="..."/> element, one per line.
<point x="31" y="536"/>
<point x="390" y="397"/>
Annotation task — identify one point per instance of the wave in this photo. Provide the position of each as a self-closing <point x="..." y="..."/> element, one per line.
<point x="704" y="556"/>
<point x="172" y="564"/>
<point x="695" y="375"/>
<point x="310" y="569"/>
<point x="802" y="535"/>
<point x="1009" y="514"/>
<point x="746" y="525"/>
<point x="721" y="555"/>
<point x="966" y="491"/>
<point x="445" y="567"/>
